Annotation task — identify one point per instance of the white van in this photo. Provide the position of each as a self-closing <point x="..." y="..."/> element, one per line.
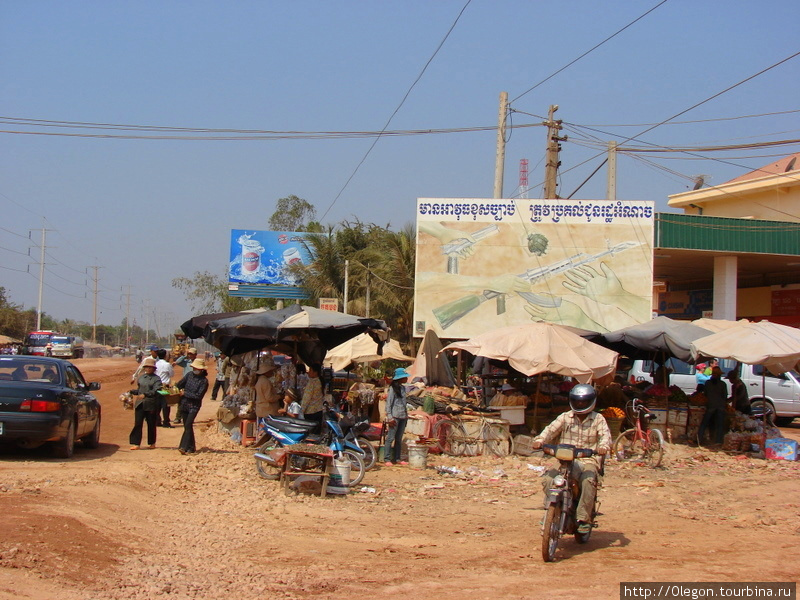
<point x="781" y="391"/>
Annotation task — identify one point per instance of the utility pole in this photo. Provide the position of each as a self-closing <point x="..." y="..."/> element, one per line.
<point x="41" y="280"/>
<point x="611" y="187"/>
<point x="499" y="163"/>
<point x="94" y="312"/>
<point x="368" y="278"/>
<point x="127" y="318"/>
<point x="553" y="148"/>
<point x="346" y="275"/>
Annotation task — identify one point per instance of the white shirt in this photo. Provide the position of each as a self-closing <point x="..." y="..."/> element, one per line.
<point x="164" y="371"/>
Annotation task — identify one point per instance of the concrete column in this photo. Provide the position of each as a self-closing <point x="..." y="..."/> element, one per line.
<point x="725" y="284"/>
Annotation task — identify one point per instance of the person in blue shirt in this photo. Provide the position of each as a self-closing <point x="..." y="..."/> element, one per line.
<point x="396" y="418"/>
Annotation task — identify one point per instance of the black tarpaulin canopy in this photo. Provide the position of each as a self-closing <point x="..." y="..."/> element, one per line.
<point x="302" y="330"/>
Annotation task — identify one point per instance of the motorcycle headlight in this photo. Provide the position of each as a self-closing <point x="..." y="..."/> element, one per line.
<point x="559" y="481"/>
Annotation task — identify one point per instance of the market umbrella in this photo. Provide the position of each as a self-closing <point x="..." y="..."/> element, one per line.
<point x="302" y="330"/>
<point x="777" y="347"/>
<point x="660" y="335"/>
<point x="363" y="348"/>
<point x="194" y="327"/>
<point x="717" y="325"/>
<point x="535" y="348"/>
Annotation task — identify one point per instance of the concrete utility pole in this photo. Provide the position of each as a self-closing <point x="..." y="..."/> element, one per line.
<point x="611" y="187"/>
<point x="41" y="281"/>
<point x="368" y="278"/>
<point x="128" y="318"/>
<point x="553" y="148"/>
<point x="346" y="276"/>
<point x="94" y="312"/>
<point x="499" y="163"/>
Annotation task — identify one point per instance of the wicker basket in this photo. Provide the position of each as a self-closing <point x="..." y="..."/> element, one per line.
<point x="615" y="425"/>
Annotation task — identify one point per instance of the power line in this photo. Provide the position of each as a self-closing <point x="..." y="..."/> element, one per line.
<point x="769" y="114"/>
<point x="590" y="50"/>
<point x="375" y="141"/>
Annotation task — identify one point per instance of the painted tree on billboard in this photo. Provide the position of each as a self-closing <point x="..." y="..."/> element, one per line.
<point x="484" y="264"/>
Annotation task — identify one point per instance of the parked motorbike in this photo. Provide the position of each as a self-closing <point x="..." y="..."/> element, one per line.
<point x="355" y="440"/>
<point x="277" y="432"/>
<point x="562" y="500"/>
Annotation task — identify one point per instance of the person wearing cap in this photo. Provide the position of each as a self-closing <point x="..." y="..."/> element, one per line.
<point x="184" y="361"/>
<point x="153" y="349"/>
<point x="267" y="395"/>
<point x="193" y="387"/>
<point x="716" y="400"/>
<point x="291" y="407"/>
<point x="396" y="418"/>
<point x="165" y="372"/>
<point x="146" y="405"/>
<point x="221" y="380"/>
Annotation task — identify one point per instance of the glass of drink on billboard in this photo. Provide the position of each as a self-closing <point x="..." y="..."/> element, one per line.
<point x="291" y="256"/>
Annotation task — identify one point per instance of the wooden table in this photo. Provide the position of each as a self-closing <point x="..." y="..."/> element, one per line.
<point x="321" y="459"/>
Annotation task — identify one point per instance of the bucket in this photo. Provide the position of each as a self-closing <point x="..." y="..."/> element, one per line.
<point x="417" y="456"/>
<point x="339" y="476"/>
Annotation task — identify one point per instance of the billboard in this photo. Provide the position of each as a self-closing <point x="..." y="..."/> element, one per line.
<point x="484" y="264"/>
<point x="259" y="260"/>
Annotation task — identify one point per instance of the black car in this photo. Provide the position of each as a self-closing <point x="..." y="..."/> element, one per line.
<point x="47" y="400"/>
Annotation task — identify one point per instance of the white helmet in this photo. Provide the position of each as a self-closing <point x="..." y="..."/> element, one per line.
<point x="582" y="399"/>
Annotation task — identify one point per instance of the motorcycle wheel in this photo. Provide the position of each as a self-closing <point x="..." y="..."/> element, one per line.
<point x="656" y="451"/>
<point x="266" y="470"/>
<point x="550" y="533"/>
<point x="370" y="455"/>
<point x="356" y="467"/>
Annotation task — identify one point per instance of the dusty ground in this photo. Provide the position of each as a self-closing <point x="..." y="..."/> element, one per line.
<point x="115" y="524"/>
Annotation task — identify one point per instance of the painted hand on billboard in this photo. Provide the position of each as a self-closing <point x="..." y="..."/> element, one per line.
<point x="565" y="313"/>
<point x="446" y="235"/>
<point x="605" y="288"/>
<point x="445" y="283"/>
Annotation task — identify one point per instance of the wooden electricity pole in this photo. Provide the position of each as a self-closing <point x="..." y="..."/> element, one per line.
<point x="499" y="163"/>
<point x="553" y="148"/>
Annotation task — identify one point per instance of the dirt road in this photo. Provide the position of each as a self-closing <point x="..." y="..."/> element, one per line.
<point x="115" y="524"/>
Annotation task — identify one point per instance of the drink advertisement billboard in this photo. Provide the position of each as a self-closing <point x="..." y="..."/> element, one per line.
<point x="483" y="264"/>
<point x="263" y="258"/>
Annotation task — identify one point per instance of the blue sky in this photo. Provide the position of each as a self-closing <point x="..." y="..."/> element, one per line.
<point x="147" y="210"/>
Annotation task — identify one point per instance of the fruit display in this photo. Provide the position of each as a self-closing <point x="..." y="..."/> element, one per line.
<point x="612" y="412"/>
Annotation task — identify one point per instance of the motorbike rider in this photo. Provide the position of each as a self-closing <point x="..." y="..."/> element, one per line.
<point x="583" y="428"/>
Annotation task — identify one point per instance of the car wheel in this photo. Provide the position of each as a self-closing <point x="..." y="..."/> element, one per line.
<point x="93" y="439"/>
<point x="66" y="446"/>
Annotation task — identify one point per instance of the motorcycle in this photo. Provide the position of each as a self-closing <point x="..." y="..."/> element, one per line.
<point x="562" y="500"/>
<point x="277" y="432"/>
<point x="356" y="440"/>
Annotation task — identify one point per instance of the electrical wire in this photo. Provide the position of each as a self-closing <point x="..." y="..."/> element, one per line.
<point x="592" y="49"/>
<point x="408" y="92"/>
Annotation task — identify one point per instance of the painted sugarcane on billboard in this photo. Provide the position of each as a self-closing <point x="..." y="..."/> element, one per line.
<point x="484" y="264"/>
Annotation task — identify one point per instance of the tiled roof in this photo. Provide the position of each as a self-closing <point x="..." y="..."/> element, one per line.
<point x="771" y="169"/>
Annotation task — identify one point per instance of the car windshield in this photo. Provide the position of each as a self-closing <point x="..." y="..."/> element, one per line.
<point x="60" y="340"/>
<point x="26" y="370"/>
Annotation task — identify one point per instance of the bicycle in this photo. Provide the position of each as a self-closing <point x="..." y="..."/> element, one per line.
<point x="640" y="444"/>
<point x="451" y="438"/>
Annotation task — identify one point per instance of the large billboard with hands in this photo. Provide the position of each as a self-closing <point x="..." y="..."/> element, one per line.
<point x="484" y="264"/>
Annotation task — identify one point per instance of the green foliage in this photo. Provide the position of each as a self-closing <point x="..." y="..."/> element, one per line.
<point x="293" y="214"/>
<point x="208" y="293"/>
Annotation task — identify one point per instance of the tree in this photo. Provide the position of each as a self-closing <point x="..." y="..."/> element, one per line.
<point x="208" y="293"/>
<point x="293" y="214"/>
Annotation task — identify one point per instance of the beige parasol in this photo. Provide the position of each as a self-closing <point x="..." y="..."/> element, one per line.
<point x="535" y="348"/>
<point x="363" y="348"/>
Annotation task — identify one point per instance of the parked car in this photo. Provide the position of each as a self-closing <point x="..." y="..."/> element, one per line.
<point x="47" y="400"/>
<point x="782" y="392"/>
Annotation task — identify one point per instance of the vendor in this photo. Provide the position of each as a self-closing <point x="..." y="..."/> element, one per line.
<point x="267" y="396"/>
<point x="508" y="396"/>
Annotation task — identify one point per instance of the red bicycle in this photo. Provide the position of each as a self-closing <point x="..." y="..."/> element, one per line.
<point x="640" y="444"/>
